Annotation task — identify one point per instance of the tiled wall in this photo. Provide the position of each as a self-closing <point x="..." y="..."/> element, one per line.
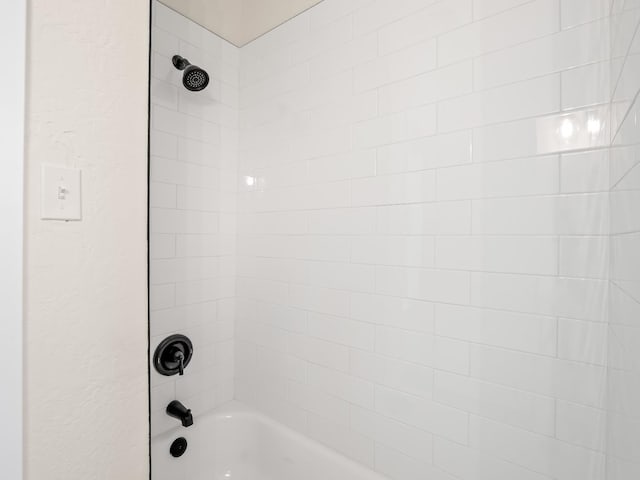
<point x="424" y="199"/>
<point x="623" y="426"/>
<point x="422" y="234"/>
<point x="194" y="143"/>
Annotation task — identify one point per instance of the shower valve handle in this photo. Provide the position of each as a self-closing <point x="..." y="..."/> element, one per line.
<point x="179" y="357"/>
<point x="173" y="355"/>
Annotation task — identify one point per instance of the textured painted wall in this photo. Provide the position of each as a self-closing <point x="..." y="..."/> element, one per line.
<point x="86" y="302"/>
<point x="13" y="28"/>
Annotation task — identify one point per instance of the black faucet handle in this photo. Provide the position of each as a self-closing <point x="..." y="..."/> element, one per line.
<point x="173" y="355"/>
<point x="179" y="357"/>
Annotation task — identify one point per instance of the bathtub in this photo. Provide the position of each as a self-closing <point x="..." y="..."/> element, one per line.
<point x="237" y="443"/>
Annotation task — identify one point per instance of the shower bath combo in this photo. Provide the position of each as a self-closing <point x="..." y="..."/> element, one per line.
<point x="397" y="240"/>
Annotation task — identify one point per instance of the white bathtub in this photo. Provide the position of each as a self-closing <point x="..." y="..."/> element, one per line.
<point x="237" y="443"/>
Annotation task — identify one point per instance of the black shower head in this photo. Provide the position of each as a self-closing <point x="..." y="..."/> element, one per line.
<point x="194" y="78"/>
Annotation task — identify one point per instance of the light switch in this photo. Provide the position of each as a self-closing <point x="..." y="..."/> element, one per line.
<point x="61" y="193"/>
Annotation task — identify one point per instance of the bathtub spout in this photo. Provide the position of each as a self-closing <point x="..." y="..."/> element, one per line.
<point x="178" y="410"/>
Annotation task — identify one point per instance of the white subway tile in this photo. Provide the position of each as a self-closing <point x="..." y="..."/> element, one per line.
<point x="171" y="171"/>
<point x="428" y="23"/>
<point x="585" y="257"/>
<point x="529" y="333"/>
<point x="161" y="396"/>
<point x="394" y="250"/>
<point x="529" y="176"/>
<point x="394" y="464"/>
<point x="161" y="296"/>
<point x="582" y="341"/>
<point x="406" y="345"/>
<point x="543" y="295"/>
<point x="381" y="12"/>
<point x="406" y="439"/>
<point x="327" y="12"/>
<point x="164" y="94"/>
<point x="163" y="145"/>
<point x="347" y="55"/>
<point x="262" y="335"/>
<point x="585" y="86"/>
<point x="162" y="195"/>
<point x="507" y="405"/>
<point x="171" y="21"/>
<point x="202" y="199"/>
<point x="540" y="453"/>
<point x="400" y="65"/>
<point x="472" y="464"/>
<point x="176" y="221"/>
<point x="184" y="317"/>
<point x="498" y="254"/>
<point x="398" y="127"/>
<point x="402" y="376"/>
<point x="423" y="284"/>
<point x="530" y="98"/>
<point x="448" y="82"/>
<point x="565" y="215"/>
<point x="318" y="402"/>
<point x="571" y="381"/>
<point x="487" y="8"/>
<point x="183" y="270"/>
<point x="193" y="151"/>
<point x="342" y="330"/>
<point x="264" y="290"/>
<point x="323" y="300"/>
<point x="451" y="355"/>
<point x="204" y="290"/>
<point x="342" y="166"/>
<point x="162" y="246"/>
<point x="401" y="313"/>
<point x="585" y="172"/>
<point x="357" y="391"/>
<point x="425" y="153"/>
<point x="330" y="35"/>
<point x="423" y="414"/>
<point x="394" y="189"/>
<point x="571" y="48"/>
<point x="186" y="126"/>
<point x="164" y="41"/>
<point x="526" y="22"/>
<point x="340" y="438"/>
<point x="448" y="218"/>
<point x="202" y="246"/>
<point x="580" y="425"/>
<point x="576" y="12"/>
<point x="347" y="221"/>
<point x="542" y="135"/>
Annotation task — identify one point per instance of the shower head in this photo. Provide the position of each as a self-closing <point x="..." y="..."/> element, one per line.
<point x="194" y="78"/>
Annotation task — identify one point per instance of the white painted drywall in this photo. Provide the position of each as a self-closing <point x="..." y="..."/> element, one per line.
<point x="240" y="21"/>
<point x="86" y="413"/>
<point x="12" y="82"/>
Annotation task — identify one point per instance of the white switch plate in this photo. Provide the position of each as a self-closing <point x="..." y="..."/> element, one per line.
<point x="61" y="193"/>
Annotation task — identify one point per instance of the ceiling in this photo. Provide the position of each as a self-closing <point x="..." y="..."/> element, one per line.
<point x="240" y="21"/>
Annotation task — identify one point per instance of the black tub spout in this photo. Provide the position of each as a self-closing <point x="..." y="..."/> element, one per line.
<point x="178" y="410"/>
